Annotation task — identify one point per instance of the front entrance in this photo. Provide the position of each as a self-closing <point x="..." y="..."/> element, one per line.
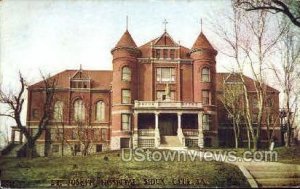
<point x="168" y="124"/>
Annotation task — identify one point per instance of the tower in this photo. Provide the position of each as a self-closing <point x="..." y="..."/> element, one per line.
<point x="204" y="81"/>
<point x="124" y="90"/>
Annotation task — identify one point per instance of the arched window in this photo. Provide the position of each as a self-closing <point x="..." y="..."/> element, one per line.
<point x="79" y="110"/>
<point x="100" y="111"/>
<point x="58" y="111"/>
<point x="126" y="74"/>
<point x="205" y="75"/>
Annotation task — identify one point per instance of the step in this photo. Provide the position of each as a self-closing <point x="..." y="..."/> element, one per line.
<point x="170" y="141"/>
<point x="275" y="168"/>
<point x="273" y="174"/>
<point x="278" y="182"/>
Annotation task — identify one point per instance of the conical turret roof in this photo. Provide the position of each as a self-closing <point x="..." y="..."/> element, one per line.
<point x="202" y="43"/>
<point x="126" y="41"/>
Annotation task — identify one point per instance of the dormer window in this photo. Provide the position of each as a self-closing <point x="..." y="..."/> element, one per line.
<point x="80" y="80"/>
<point x="157" y="53"/>
<point x="172" y="54"/>
<point x="165" y="53"/>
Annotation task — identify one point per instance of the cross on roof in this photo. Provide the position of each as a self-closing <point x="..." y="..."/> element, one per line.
<point x="165" y="22"/>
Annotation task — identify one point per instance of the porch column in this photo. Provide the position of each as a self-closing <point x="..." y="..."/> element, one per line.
<point x="200" y="131"/>
<point x="13" y="135"/>
<point x="156" y="131"/>
<point x="21" y="137"/>
<point x="135" y="130"/>
<point x="179" y="129"/>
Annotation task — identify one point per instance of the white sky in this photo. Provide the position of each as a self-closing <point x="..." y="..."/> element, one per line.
<point x="52" y="36"/>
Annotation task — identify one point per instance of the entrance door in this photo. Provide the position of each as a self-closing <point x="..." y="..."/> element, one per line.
<point x="167" y="125"/>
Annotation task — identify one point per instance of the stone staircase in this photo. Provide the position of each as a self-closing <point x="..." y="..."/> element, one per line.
<point x="170" y="142"/>
<point x="275" y="175"/>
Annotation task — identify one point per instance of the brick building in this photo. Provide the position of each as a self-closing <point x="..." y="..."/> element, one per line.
<point x="160" y="94"/>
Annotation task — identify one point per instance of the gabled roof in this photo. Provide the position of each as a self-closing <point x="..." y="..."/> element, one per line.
<point x="202" y="43"/>
<point x="80" y="75"/>
<point x="126" y="40"/>
<point x="235" y="78"/>
<point x="99" y="79"/>
<point x="165" y="40"/>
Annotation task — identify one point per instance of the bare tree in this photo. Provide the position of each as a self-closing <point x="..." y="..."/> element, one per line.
<point x="251" y="43"/>
<point x="15" y="102"/>
<point x="232" y="100"/>
<point x="290" y="8"/>
<point x="287" y="74"/>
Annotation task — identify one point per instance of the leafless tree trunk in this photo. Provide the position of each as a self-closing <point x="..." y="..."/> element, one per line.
<point x="287" y="75"/>
<point x="251" y="40"/>
<point x="14" y="103"/>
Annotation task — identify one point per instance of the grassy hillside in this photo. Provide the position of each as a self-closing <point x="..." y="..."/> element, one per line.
<point x="100" y="170"/>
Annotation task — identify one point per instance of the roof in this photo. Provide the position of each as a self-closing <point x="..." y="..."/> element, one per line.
<point x="165" y="40"/>
<point x="126" y="40"/>
<point x="202" y="43"/>
<point x="234" y="77"/>
<point x="99" y="79"/>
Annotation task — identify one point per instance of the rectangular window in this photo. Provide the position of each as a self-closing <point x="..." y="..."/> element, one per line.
<point x="125" y="122"/>
<point x="165" y="53"/>
<point x="99" y="148"/>
<point x="104" y="134"/>
<point x="165" y="74"/>
<point x="77" y="148"/>
<point x="126" y="96"/>
<point x="172" y="54"/>
<point x="74" y="134"/>
<point x="205" y="97"/>
<point x="206" y="122"/>
<point x="125" y="143"/>
<point x="157" y="53"/>
<point x="254" y="117"/>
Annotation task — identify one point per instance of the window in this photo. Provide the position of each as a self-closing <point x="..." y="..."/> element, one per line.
<point x="55" y="148"/>
<point x="79" y="84"/>
<point x="100" y="111"/>
<point x="205" y="75"/>
<point x="157" y="53"/>
<point x="206" y="121"/>
<point x="160" y="95"/>
<point x="55" y="135"/>
<point x="254" y="117"/>
<point x="124" y="142"/>
<point x="35" y="113"/>
<point x="255" y="102"/>
<point x="172" y="54"/>
<point x="165" y="74"/>
<point x="126" y="74"/>
<point x="104" y="134"/>
<point x="58" y="111"/>
<point x="270" y="119"/>
<point x="165" y="53"/>
<point x="74" y="134"/>
<point x="99" y="148"/>
<point x="77" y="148"/>
<point x="79" y="110"/>
<point x="126" y="96"/>
<point x="205" y="97"/>
<point x="125" y="122"/>
<point x="269" y="102"/>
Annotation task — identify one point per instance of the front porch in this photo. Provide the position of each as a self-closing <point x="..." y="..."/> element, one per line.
<point x="167" y="124"/>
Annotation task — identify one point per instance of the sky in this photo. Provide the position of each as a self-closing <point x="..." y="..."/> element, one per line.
<point x="50" y="36"/>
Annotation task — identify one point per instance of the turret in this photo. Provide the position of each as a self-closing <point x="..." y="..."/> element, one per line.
<point x="124" y="89"/>
<point x="204" y="68"/>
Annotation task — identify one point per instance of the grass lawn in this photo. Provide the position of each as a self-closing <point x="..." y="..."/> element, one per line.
<point x="39" y="172"/>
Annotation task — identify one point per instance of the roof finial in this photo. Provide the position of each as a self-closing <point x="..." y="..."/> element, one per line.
<point x="126" y="22"/>
<point x="201" y="24"/>
<point x="80" y="67"/>
<point x="165" y="23"/>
